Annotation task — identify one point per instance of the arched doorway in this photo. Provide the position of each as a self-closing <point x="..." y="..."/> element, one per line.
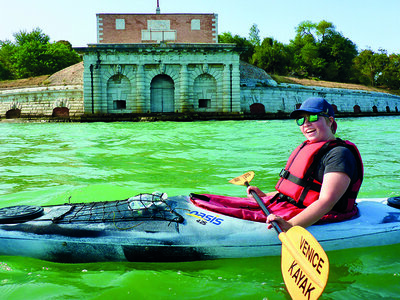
<point x="14" y="113"/>
<point x="162" y="94"/>
<point x="357" y="109"/>
<point x="257" y="108"/>
<point x="60" y="112"/>
<point x="335" y="110"/>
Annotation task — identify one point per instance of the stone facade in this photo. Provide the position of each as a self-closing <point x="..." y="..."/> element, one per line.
<point x="161" y="78"/>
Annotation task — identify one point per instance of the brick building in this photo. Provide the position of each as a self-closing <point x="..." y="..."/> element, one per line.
<point x="160" y="63"/>
<point x="156" y="28"/>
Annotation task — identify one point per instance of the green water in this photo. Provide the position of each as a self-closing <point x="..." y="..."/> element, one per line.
<point x="44" y="163"/>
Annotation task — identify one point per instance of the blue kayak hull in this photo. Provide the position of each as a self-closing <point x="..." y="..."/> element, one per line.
<point x="196" y="235"/>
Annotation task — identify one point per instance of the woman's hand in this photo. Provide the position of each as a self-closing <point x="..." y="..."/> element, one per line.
<point x="256" y="190"/>
<point x="283" y="224"/>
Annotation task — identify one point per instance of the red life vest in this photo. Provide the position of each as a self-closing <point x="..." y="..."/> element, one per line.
<point x="298" y="184"/>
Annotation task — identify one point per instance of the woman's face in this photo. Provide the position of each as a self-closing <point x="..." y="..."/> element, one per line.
<point x="317" y="131"/>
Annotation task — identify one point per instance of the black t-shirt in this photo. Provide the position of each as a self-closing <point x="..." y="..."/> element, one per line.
<point x="338" y="159"/>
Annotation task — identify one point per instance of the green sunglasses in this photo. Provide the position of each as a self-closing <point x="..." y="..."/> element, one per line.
<point x="311" y="118"/>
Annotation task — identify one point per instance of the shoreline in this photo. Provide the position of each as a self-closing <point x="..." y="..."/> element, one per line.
<point x="174" y="117"/>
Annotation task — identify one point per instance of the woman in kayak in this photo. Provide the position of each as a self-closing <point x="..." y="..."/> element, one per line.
<point x="322" y="176"/>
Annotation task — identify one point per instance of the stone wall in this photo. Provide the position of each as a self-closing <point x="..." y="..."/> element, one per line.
<point x="41" y="101"/>
<point x="286" y="98"/>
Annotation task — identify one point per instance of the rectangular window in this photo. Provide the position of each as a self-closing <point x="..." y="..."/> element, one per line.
<point x="119" y="104"/>
<point x="204" y="103"/>
<point x="120" y="24"/>
<point x="195" y="24"/>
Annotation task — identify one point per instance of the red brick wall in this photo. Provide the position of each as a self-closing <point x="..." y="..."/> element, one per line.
<point x="135" y="23"/>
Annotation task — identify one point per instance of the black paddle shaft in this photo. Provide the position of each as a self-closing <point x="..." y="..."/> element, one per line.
<point x="264" y="208"/>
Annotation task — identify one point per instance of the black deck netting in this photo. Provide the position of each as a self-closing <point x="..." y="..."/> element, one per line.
<point x="138" y="208"/>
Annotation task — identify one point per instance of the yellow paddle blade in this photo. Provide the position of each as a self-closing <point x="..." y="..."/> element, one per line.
<point x="242" y="179"/>
<point x="305" y="265"/>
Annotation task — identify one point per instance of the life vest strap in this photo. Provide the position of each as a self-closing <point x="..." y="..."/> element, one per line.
<point x="283" y="198"/>
<point x="285" y="174"/>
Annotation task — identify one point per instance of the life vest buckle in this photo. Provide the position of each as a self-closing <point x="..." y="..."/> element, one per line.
<point x="284" y="174"/>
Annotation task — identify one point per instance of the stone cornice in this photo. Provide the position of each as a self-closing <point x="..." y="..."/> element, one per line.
<point x="160" y="47"/>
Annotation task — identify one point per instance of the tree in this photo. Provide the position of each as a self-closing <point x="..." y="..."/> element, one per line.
<point x="7" y="49"/>
<point x="306" y="62"/>
<point x="390" y="76"/>
<point x="322" y="52"/>
<point x="36" y="35"/>
<point x="272" y="56"/>
<point x="248" y="48"/>
<point x="254" y="35"/>
<point x="370" y="66"/>
<point x="32" y="54"/>
<point x="338" y="52"/>
<point x="323" y="29"/>
<point x="305" y="28"/>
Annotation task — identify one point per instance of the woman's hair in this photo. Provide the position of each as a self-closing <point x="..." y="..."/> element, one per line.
<point x="334" y="124"/>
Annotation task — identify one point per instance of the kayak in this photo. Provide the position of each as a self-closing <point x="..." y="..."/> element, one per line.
<point x="157" y="228"/>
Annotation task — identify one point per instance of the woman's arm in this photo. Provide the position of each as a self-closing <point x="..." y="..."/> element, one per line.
<point x="333" y="187"/>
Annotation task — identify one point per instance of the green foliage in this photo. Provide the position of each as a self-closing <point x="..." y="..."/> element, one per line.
<point x="319" y="51"/>
<point x="370" y="65"/>
<point x="390" y="76"/>
<point x="247" y="47"/>
<point x="254" y="35"/>
<point x="338" y="52"/>
<point x="378" y="69"/>
<point x="32" y="54"/>
<point x="272" y="56"/>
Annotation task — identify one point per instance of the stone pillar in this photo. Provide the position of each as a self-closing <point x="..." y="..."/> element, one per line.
<point x="226" y="89"/>
<point x="184" y="90"/>
<point x="236" y="87"/>
<point x="140" y="90"/>
<point x="95" y="89"/>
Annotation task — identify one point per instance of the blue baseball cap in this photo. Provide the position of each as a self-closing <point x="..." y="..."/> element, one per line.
<point x="314" y="105"/>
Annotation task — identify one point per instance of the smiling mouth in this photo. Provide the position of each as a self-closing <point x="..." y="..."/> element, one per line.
<point x="310" y="130"/>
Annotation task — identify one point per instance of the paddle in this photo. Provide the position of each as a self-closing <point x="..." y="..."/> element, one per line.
<point x="305" y="265"/>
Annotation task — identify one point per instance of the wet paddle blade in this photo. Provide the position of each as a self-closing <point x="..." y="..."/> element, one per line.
<point x="305" y="265"/>
<point x="242" y="179"/>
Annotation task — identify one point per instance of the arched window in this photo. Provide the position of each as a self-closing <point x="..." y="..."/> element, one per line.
<point x="205" y="93"/>
<point x="357" y="109"/>
<point x="118" y="93"/>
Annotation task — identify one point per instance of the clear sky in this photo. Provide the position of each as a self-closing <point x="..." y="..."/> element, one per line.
<point x="370" y="24"/>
